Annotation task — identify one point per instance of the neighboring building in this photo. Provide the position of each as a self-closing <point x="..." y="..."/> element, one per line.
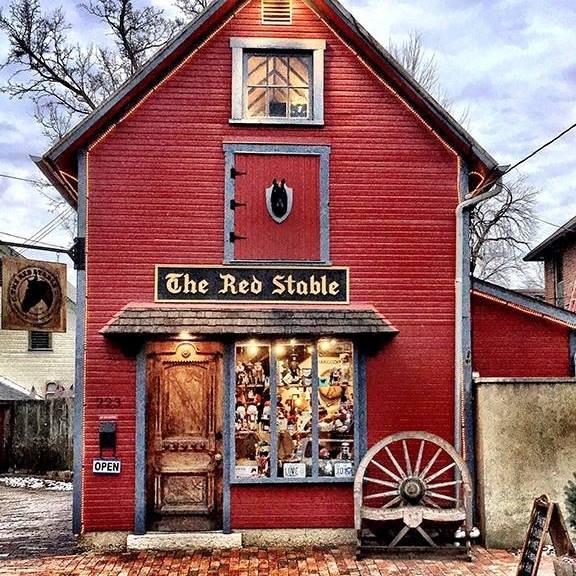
<point x="40" y="362"/>
<point x="558" y="252"/>
<point x="276" y="218"/>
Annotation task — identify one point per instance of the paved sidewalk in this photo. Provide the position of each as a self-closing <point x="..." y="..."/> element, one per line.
<point x="257" y="562"/>
<point x="35" y="522"/>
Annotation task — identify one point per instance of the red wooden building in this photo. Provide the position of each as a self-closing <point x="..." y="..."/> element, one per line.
<point x="275" y="220"/>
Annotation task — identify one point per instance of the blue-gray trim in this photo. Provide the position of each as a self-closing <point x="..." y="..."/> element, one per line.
<point x="572" y="352"/>
<point x="360" y="424"/>
<point x="227" y="444"/>
<point x="140" y="445"/>
<point x="315" y="392"/>
<point x="230" y="150"/>
<point x="360" y="407"/>
<point x="79" y="369"/>
<point x="537" y="306"/>
<point x="466" y="361"/>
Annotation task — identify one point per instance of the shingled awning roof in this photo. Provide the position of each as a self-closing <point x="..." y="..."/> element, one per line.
<point x="161" y="319"/>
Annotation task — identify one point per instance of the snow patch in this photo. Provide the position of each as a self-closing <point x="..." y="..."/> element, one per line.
<point x="33" y="483"/>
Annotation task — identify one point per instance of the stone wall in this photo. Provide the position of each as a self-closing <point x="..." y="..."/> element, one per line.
<point x="526" y="446"/>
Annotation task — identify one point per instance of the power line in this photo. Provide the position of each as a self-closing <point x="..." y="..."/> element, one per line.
<point x="23" y="238"/>
<point x="541" y="148"/>
<point x="526" y="158"/>
<point x="12" y="177"/>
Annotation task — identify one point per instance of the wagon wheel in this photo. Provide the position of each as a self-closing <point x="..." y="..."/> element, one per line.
<point x="413" y="476"/>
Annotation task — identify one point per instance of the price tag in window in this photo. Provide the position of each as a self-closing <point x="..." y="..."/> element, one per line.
<point x="343" y="469"/>
<point x="294" y="470"/>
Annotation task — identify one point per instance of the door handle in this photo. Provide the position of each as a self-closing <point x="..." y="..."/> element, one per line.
<point x="218" y="457"/>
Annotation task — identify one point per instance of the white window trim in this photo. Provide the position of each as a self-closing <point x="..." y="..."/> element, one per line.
<point x="316" y="47"/>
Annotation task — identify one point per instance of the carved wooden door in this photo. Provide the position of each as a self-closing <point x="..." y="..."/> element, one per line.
<point x="184" y="480"/>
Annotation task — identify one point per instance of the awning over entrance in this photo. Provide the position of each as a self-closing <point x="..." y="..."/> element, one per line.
<point x="165" y="320"/>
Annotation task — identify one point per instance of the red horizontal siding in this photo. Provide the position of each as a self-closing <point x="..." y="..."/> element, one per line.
<point x="509" y="342"/>
<point x="156" y="197"/>
<point x="311" y="506"/>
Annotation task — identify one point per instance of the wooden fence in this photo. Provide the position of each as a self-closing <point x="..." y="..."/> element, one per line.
<point x="38" y="435"/>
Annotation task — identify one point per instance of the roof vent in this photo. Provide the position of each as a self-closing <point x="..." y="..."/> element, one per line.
<point x="276" y="12"/>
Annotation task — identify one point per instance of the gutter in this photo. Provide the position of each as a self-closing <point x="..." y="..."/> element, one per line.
<point x="463" y="392"/>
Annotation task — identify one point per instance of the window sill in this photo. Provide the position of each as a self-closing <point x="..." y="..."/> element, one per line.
<point x="40" y="349"/>
<point x="319" y="480"/>
<point x="275" y="122"/>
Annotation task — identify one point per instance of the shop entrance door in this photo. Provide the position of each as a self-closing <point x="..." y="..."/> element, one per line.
<point x="184" y="423"/>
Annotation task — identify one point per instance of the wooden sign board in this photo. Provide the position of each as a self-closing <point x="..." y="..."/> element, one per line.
<point x="33" y="295"/>
<point x="252" y="284"/>
<point x="546" y="518"/>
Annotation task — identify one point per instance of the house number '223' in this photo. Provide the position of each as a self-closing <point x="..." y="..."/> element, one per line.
<point x="108" y="402"/>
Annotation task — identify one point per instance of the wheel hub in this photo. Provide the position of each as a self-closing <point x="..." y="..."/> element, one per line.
<point x="412" y="490"/>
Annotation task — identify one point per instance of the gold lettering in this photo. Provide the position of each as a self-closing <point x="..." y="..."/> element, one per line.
<point x="172" y="284"/>
<point x="255" y="285"/>
<point x="243" y="286"/>
<point x="302" y="288"/>
<point x="333" y="288"/>
<point x="277" y="281"/>
<point x="228" y="284"/>
<point x="193" y="286"/>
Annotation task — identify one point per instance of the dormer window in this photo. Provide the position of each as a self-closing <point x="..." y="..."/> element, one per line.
<point x="277" y="81"/>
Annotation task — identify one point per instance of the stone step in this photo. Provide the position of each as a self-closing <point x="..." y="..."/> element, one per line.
<point x="183" y="540"/>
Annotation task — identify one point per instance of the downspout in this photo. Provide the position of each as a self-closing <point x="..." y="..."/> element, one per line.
<point x="463" y="392"/>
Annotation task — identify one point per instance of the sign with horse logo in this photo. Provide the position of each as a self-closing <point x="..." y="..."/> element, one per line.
<point x="33" y="295"/>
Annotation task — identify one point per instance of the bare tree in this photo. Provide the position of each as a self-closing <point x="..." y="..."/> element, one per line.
<point x="502" y="227"/>
<point x="501" y="230"/>
<point x="66" y="80"/>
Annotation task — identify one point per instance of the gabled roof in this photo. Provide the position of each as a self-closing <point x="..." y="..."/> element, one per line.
<point x="523" y="303"/>
<point x="565" y="232"/>
<point x="10" y="391"/>
<point x="61" y="156"/>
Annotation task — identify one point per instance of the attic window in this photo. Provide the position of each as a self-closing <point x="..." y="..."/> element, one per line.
<point x="276" y="12"/>
<point x="277" y="81"/>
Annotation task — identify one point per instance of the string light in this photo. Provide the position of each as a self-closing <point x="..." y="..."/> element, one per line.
<point x="523" y="309"/>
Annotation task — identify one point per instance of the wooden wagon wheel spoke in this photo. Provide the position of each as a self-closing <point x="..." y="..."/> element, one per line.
<point x="439" y="473"/>
<point x="431" y="463"/>
<point x="443" y="484"/>
<point x="407" y="458"/>
<point x="380" y="482"/>
<point x="429" y="502"/>
<point x="381" y="495"/>
<point x="395" y="462"/>
<point x="386" y="471"/>
<point x="419" y="458"/>
<point x="441" y="496"/>
<point x="392" y="502"/>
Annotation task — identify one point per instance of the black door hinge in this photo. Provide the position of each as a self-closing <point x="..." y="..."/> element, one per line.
<point x="78" y="253"/>
<point x="234" y="237"/>
<point x="234" y="173"/>
<point x="234" y="204"/>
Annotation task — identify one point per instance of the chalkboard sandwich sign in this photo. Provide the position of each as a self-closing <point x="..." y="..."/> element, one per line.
<point x="546" y="518"/>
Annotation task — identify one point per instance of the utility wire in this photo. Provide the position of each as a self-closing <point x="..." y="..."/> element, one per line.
<point x="24" y="179"/>
<point x="23" y="238"/>
<point x="526" y="158"/>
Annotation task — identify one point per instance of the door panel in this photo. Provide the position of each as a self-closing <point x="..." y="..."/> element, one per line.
<point x="184" y="480"/>
<point x="297" y="237"/>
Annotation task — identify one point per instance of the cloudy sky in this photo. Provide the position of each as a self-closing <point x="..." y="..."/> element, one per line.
<point x="510" y="63"/>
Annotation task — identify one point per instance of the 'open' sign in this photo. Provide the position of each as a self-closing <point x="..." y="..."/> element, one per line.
<point x="106" y="466"/>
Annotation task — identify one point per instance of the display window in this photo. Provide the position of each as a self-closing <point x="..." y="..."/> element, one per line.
<point x="295" y="411"/>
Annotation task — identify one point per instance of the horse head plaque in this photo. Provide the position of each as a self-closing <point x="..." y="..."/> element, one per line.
<point x="33" y="295"/>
